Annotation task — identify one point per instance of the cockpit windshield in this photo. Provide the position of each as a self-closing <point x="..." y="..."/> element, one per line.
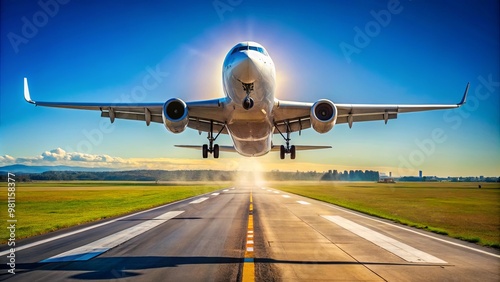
<point x="254" y="48"/>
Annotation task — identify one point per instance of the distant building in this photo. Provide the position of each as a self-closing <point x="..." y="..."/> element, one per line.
<point x="383" y="178"/>
<point x="420" y="174"/>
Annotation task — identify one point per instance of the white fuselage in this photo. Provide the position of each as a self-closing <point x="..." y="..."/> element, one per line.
<point x="251" y="130"/>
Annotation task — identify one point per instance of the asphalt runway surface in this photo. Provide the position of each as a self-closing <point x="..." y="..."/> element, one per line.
<point x="246" y="234"/>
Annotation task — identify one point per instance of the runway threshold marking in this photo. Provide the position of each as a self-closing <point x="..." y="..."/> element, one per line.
<point x="409" y="230"/>
<point x="43" y="241"/>
<point x="400" y="249"/>
<point x="248" y="262"/>
<point x="100" y="246"/>
<point x="197" y="201"/>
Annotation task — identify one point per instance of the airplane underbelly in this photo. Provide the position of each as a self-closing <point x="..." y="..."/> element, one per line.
<point x="249" y="131"/>
<point x="251" y="138"/>
<point x="253" y="148"/>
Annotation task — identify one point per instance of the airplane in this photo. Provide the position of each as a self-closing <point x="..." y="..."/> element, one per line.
<point x="249" y="112"/>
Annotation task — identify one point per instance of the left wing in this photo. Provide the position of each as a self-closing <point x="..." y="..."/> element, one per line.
<point x="296" y="115"/>
<point x="201" y="113"/>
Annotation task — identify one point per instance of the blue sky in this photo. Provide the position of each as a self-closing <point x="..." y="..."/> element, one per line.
<point x="398" y="52"/>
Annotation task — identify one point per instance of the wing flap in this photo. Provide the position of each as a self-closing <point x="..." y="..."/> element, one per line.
<point x="366" y="117"/>
<point x="132" y="116"/>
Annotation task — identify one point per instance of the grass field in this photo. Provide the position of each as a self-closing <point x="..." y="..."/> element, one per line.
<point x="459" y="210"/>
<point x="48" y="206"/>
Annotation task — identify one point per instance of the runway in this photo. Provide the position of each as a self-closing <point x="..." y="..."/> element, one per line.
<point x="210" y="238"/>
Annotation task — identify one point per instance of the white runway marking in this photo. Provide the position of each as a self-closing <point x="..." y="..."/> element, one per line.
<point x="225" y="190"/>
<point x="98" y="247"/>
<point x="34" y="244"/>
<point x="303" y="202"/>
<point x="409" y="230"/>
<point x="286" y="196"/>
<point x="215" y="194"/>
<point x="402" y="250"/>
<point x="199" y="200"/>
<point x="276" y="192"/>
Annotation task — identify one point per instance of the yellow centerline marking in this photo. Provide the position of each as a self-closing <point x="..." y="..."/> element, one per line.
<point x="248" y="263"/>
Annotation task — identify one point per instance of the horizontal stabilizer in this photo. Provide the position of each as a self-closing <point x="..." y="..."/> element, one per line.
<point x="273" y="149"/>
<point x="197" y="147"/>
<point x="302" y="148"/>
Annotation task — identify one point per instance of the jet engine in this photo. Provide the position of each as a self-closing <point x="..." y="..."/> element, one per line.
<point x="175" y="115"/>
<point x="323" y="115"/>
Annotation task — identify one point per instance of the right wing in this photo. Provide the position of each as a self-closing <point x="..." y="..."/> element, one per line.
<point x="201" y="113"/>
<point x="296" y="115"/>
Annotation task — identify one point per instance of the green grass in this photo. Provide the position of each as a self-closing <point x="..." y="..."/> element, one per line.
<point x="49" y="206"/>
<point x="459" y="210"/>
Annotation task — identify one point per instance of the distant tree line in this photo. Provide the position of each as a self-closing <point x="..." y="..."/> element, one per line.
<point x="352" y="175"/>
<point x="220" y="175"/>
<point x="137" y="175"/>
<point x="162" y="175"/>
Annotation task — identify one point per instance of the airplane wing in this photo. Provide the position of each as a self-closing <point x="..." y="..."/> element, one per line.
<point x="201" y="113"/>
<point x="296" y="115"/>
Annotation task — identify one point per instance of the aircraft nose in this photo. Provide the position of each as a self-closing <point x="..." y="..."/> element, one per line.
<point x="246" y="67"/>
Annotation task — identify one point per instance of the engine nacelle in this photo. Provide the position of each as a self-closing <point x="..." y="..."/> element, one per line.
<point x="175" y="115"/>
<point x="323" y="115"/>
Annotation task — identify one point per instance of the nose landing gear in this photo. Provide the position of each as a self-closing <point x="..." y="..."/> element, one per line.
<point x="248" y="101"/>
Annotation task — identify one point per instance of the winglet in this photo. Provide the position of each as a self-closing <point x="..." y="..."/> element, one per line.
<point x="27" y="92"/>
<point x="465" y="95"/>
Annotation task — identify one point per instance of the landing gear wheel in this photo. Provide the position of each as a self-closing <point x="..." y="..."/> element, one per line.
<point x="205" y="151"/>
<point x="292" y="152"/>
<point x="282" y="152"/>
<point x="216" y="151"/>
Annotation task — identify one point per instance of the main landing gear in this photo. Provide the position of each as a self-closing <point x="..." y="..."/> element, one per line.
<point x="287" y="149"/>
<point x="211" y="147"/>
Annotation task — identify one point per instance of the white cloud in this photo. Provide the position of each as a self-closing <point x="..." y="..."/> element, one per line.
<point x="61" y="157"/>
<point x="7" y="159"/>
